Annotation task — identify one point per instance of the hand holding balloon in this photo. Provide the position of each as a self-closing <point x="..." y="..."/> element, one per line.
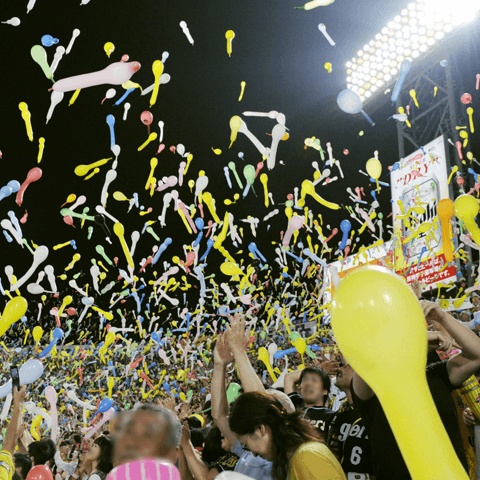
<point x="28" y="373"/>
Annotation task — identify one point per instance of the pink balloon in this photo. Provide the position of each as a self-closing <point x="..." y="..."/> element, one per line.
<point x="71" y="311"/>
<point x="146" y="117"/>
<point x="40" y="472"/>
<point x="145" y="469"/>
<point x="190" y="258"/>
<point x="105" y="418"/>
<point x="466" y="98"/>
<point x="68" y="220"/>
<point x="33" y="175"/>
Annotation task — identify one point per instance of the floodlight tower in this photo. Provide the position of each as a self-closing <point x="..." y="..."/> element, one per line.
<point x="415" y="35"/>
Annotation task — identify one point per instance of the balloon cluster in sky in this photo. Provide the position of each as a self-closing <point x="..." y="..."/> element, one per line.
<point x="77" y="316"/>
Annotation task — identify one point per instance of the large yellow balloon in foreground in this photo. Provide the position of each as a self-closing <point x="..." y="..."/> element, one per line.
<point x="380" y="328"/>
<point x="14" y="310"/>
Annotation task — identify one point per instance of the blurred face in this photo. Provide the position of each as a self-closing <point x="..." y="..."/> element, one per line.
<point x="142" y="434"/>
<point x="259" y="443"/>
<point x="64" y="451"/>
<point x="464" y="317"/>
<point x="93" y="453"/>
<point x="311" y="389"/>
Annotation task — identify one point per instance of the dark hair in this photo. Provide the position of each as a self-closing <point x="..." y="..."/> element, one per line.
<point x="106" y="451"/>
<point x="196" y="436"/>
<point x="252" y="410"/>
<point x="207" y="410"/>
<point x="42" y="451"/>
<point x="212" y="449"/>
<point x="23" y="462"/>
<point x="326" y="382"/>
<point x="194" y="422"/>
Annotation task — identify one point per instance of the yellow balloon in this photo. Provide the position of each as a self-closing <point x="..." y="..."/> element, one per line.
<point x="235" y="125"/>
<point x="229" y="268"/>
<point x="374" y="168"/>
<point x="380" y="328"/>
<point x="109" y="339"/>
<point x="110" y="384"/>
<point x="14" y="310"/>
<point x="445" y="213"/>
<point x="466" y="209"/>
<point x="35" y="427"/>
<point x="264" y="357"/>
<point x="109" y="48"/>
<point x="37" y="333"/>
<point x="300" y="345"/>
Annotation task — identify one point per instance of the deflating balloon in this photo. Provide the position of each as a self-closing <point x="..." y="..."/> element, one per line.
<point x="380" y="328"/>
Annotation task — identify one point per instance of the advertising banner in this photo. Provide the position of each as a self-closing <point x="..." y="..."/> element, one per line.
<point x="419" y="181"/>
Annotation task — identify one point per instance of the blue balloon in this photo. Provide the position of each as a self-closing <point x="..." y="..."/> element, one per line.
<point x="405" y="68"/>
<point x="57" y="335"/>
<point x="105" y="405"/>
<point x="48" y="41"/>
<point x="281" y="353"/>
<point x="345" y="227"/>
<point x="349" y="101"/>
<point x="15" y="184"/>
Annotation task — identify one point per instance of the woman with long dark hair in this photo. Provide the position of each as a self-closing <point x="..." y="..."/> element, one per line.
<point x="292" y="445"/>
<point x="99" y="458"/>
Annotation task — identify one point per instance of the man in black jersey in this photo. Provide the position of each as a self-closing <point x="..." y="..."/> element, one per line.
<point x="347" y="437"/>
<point x="313" y="393"/>
<point x="442" y="378"/>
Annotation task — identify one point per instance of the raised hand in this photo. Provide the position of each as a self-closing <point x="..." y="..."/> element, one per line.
<point x="222" y="353"/>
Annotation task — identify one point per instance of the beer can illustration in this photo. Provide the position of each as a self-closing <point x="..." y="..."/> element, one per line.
<point x="422" y="192"/>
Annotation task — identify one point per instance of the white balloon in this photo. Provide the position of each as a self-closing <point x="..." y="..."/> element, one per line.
<point x="29" y="372"/>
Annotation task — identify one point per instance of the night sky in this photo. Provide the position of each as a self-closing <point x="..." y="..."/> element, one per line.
<point x="280" y="54"/>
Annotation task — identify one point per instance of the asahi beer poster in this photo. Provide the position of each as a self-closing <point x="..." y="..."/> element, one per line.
<point x="418" y="183"/>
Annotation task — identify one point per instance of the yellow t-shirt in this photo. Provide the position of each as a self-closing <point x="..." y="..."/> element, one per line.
<point x="314" y="461"/>
<point x="7" y="467"/>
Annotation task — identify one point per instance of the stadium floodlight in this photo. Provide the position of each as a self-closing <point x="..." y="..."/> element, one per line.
<point x="409" y="35"/>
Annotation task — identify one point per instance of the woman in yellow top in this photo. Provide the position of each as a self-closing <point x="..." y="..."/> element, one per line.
<point x="292" y="445"/>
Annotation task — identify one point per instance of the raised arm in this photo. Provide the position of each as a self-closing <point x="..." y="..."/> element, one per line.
<point x="221" y="358"/>
<point x="15" y="424"/>
<point x="290" y="380"/>
<point x="462" y="366"/>
<point x="196" y="466"/>
<point x="237" y="343"/>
